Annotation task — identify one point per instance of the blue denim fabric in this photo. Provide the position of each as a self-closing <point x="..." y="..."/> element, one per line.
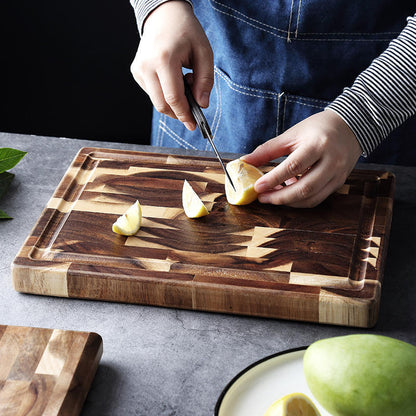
<point x="278" y="62"/>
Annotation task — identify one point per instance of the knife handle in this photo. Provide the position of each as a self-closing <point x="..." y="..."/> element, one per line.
<point x="199" y="117"/>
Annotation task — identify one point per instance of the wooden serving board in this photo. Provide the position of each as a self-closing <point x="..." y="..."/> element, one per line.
<point x="320" y="265"/>
<point x="46" y="371"/>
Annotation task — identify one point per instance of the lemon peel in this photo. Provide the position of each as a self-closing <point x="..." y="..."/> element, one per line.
<point x="130" y="222"/>
<point x="191" y="202"/>
<point x="293" y="404"/>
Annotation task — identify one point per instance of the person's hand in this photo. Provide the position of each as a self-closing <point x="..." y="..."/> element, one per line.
<point x="173" y="38"/>
<point x="322" y="149"/>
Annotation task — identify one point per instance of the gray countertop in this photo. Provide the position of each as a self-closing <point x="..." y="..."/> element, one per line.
<point x="160" y="361"/>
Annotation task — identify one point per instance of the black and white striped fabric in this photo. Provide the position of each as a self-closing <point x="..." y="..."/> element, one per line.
<point x="142" y="8"/>
<point x="384" y="95"/>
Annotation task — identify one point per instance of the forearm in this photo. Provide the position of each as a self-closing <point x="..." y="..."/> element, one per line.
<point x="384" y="95"/>
<point x="142" y="9"/>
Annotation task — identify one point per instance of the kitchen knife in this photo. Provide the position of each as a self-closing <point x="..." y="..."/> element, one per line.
<point x="202" y="123"/>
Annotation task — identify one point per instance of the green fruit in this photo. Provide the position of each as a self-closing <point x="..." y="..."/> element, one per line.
<point x="365" y="375"/>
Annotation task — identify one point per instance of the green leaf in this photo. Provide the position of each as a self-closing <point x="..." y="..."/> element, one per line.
<point x="4" y="216"/>
<point x="5" y="180"/>
<point x="9" y="158"/>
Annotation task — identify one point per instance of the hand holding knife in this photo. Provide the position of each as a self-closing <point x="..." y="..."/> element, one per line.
<point x="202" y="123"/>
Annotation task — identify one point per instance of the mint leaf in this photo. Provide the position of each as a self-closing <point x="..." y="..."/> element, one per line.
<point x="5" y="180"/>
<point x="4" y="216"/>
<point x="9" y="158"/>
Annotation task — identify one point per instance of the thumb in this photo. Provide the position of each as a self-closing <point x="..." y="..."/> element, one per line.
<point x="272" y="149"/>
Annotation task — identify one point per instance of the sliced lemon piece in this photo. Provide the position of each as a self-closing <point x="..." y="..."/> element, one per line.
<point x="130" y="222"/>
<point x="293" y="404"/>
<point x="244" y="177"/>
<point x="192" y="204"/>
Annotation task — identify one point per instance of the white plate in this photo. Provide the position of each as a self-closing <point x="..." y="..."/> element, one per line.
<point x="253" y="390"/>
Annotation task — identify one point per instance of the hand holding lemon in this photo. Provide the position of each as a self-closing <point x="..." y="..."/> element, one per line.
<point x="244" y="176"/>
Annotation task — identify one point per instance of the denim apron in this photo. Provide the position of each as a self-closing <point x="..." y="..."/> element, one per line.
<point x="278" y="62"/>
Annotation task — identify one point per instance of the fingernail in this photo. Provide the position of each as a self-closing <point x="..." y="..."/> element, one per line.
<point x="204" y="99"/>
<point x="189" y="126"/>
<point x="260" y="187"/>
<point x="263" y="198"/>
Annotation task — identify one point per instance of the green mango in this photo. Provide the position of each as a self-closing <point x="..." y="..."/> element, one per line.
<point x="362" y="375"/>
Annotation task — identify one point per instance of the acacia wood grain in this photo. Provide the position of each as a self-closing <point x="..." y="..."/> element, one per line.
<point x="322" y="265"/>
<point x="46" y="371"/>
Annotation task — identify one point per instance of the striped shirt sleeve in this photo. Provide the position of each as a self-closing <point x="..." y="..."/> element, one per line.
<point x="383" y="96"/>
<point x="142" y="8"/>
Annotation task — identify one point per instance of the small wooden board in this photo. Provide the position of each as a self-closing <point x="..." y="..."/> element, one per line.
<point x="321" y="265"/>
<point x="46" y="371"/>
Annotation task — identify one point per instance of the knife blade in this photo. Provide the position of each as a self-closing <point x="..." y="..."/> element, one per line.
<point x="203" y="126"/>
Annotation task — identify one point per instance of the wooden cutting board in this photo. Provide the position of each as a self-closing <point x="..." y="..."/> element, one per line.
<point x="320" y="265"/>
<point x="46" y="371"/>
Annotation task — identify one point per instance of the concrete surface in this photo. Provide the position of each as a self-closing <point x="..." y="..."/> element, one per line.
<point x="167" y="362"/>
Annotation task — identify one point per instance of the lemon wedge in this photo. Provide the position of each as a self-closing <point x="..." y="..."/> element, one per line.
<point x="244" y="177"/>
<point x="192" y="204"/>
<point x="130" y="222"/>
<point x="293" y="404"/>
